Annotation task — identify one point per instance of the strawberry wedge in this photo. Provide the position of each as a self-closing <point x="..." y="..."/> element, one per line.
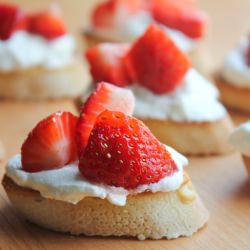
<point x="105" y="97"/>
<point x="51" y="144"/>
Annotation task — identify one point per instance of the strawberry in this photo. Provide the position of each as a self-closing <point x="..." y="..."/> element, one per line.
<point x="122" y="152"/>
<point x="106" y="63"/>
<point x="51" y="144"/>
<point x="11" y="18"/>
<point x="180" y="15"/>
<point x="47" y="24"/>
<point x="155" y="62"/>
<point x="113" y="12"/>
<point x="106" y="96"/>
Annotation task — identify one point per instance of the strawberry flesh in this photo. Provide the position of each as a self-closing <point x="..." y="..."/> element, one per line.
<point x="122" y="152"/>
<point x="181" y="15"/>
<point x="106" y="96"/>
<point x="155" y="62"/>
<point x="47" y="24"/>
<point x="51" y="144"/>
<point x="10" y="19"/>
<point x="106" y="63"/>
<point x="111" y="13"/>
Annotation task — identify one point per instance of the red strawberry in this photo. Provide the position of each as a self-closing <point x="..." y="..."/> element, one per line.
<point x="106" y="63"/>
<point x="106" y="96"/>
<point x="10" y="19"/>
<point x="47" y="24"/>
<point x="112" y="12"/>
<point x="155" y="62"/>
<point x="51" y="144"/>
<point x="180" y="15"/>
<point x="248" y="53"/>
<point x="122" y="152"/>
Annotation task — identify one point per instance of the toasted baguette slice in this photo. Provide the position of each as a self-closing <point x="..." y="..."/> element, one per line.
<point x="246" y="160"/>
<point x="194" y="138"/>
<point x="41" y="83"/>
<point x="199" y="56"/>
<point x="160" y="215"/>
<point x="234" y="97"/>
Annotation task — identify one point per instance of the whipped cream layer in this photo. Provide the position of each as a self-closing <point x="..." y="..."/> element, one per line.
<point x="67" y="184"/>
<point x="134" y="26"/>
<point x="196" y="100"/>
<point x="240" y="138"/>
<point x="24" y="50"/>
<point x="235" y="69"/>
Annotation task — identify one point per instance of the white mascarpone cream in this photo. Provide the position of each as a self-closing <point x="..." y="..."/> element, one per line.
<point x="24" y="50"/>
<point x="235" y="69"/>
<point x="134" y="26"/>
<point x="240" y="138"/>
<point x="195" y="100"/>
<point x="67" y="184"/>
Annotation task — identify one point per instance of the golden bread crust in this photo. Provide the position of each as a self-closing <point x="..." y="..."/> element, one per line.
<point x="40" y="83"/>
<point x="194" y="138"/>
<point x="234" y="97"/>
<point x="159" y="215"/>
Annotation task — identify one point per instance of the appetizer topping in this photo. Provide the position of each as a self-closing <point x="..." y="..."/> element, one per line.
<point x="122" y="152"/>
<point x="11" y="19"/>
<point x="106" y="63"/>
<point x="155" y="62"/>
<point x="112" y="12"/>
<point x="106" y="96"/>
<point x="51" y="144"/>
<point x="47" y="23"/>
<point x="181" y="15"/>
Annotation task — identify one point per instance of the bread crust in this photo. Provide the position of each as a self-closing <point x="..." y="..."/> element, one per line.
<point x="199" y="56"/>
<point x="160" y="215"/>
<point x="41" y="83"/>
<point x="194" y="138"/>
<point x="234" y="97"/>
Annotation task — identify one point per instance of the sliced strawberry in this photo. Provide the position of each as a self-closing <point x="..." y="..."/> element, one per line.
<point x="10" y="18"/>
<point x="112" y="12"/>
<point x="106" y="63"/>
<point x="155" y="62"/>
<point x="51" y="144"/>
<point x="122" y="152"/>
<point x="180" y="15"/>
<point x="47" y="24"/>
<point x="106" y="96"/>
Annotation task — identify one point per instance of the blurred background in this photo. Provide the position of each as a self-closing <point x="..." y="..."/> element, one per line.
<point x="229" y="20"/>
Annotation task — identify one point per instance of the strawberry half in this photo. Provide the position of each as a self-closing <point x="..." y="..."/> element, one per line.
<point x="122" y="152"/>
<point x="155" y="62"/>
<point x="180" y="15"/>
<point x="112" y="12"/>
<point x="106" y="96"/>
<point x="106" y="63"/>
<point x="47" y="24"/>
<point x="10" y="20"/>
<point x="51" y="144"/>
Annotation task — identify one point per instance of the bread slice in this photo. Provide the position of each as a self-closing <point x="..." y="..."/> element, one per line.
<point x="194" y="138"/>
<point x="199" y="56"/>
<point x="246" y="160"/>
<point x="234" y="97"/>
<point x="41" y="83"/>
<point x="147" y="215"/>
